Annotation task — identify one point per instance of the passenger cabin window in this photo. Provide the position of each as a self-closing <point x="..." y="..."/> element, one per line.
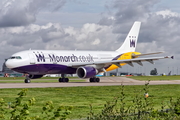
<point x="15" y="57"/>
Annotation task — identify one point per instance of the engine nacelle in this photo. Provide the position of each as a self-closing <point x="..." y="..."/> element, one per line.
<point x="35" y="76"/>
<point x="86" y="72"/>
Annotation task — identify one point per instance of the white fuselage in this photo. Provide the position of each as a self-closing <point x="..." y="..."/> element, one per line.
<point x="54" y="58"/>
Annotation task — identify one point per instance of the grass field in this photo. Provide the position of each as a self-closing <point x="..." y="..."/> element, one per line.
<point x="81" y="97"/>
<point x="152" y="78"/>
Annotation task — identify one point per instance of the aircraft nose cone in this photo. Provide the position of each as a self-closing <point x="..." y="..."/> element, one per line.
<point x="9" y="64"/>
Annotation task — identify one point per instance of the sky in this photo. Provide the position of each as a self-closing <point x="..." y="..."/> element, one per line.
<point x="92" y="25"/>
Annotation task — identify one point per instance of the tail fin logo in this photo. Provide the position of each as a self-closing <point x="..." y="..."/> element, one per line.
<point x="132" y="41"/>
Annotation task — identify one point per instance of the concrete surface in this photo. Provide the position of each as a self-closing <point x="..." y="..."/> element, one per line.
<point x="105" y="81"/>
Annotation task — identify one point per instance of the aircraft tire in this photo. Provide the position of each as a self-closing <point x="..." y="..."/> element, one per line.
<point x="97" y="79"/>
<point x="66" y="79"/>
<point x="91" y="79"/>
<point x="60" y="79"/>
<point x="27" y="80"/>
<point x="94" y="80"/>
<point x="63" y="79"/>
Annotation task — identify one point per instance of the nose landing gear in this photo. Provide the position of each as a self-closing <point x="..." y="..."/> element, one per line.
<point x="27" y="79"/>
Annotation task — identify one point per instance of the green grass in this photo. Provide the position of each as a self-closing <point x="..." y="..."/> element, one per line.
<point x="152" y="78"/>
<point x="81" y="97"/>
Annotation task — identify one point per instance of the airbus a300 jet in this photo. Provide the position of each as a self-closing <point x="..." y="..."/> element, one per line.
<point x="86" y="64"/>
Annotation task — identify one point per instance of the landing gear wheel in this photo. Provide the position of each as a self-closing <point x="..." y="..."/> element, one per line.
<point x="97" y="79"/>
<point x="60" y="80"/>
<point x="94" y="79"/>
<point x="66" y="79"/>
<point x="91" y="79"/>
<point x="27" y="80"/>
<point x="63" y="79"/>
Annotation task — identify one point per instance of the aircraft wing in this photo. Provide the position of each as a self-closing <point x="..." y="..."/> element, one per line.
<point x="147" y="54"/>
<point x="117" y="62"/>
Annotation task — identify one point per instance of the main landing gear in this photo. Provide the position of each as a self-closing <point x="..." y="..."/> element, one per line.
<point x="94" y="79"/>
<point x="63" y="79"/>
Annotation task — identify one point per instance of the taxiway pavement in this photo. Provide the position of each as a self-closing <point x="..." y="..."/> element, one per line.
<point x="105" y="81"/>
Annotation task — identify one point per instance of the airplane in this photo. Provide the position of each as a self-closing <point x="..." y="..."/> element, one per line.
<point x="86" y="64"/>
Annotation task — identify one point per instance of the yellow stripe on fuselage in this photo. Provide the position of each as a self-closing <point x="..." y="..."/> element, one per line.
<point x="122" y="57"/>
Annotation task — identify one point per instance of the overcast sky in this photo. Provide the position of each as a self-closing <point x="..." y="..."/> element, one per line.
<point x="91" y="25"/>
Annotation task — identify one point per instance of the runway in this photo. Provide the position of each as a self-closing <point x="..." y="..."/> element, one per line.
<point x="105" y="81"/>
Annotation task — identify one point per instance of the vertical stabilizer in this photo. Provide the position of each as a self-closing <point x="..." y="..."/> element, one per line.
<point x="130" y="42"/>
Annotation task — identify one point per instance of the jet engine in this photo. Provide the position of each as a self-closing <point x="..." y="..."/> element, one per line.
<point x="86" y="72"/>
<point x="35" y="76"/>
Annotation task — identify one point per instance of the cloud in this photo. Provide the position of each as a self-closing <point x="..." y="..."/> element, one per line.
<point x="19" y="31"/>
<point x="168" y="13"/>
<point x="21" y="12"/>
<point x="159" y="30"/>
<point x="160" y="27"/>
<point x="96" y="41"/>
<point x="54" y="36"/>
<point x="107" y="20"/>
<point x="130" y="10"/>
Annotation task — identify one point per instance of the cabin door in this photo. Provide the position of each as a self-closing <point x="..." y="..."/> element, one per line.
<point x="32" y="60"/>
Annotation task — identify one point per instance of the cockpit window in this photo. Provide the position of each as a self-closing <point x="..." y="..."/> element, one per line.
<point x="15" y="57"/>
<point x="18" y="57"/>
<point x="12" y="57"/>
